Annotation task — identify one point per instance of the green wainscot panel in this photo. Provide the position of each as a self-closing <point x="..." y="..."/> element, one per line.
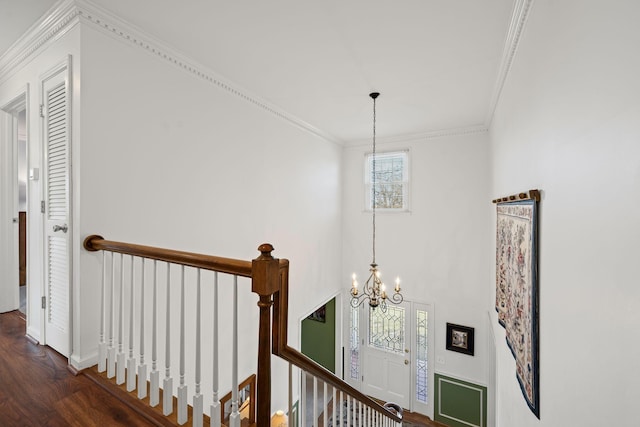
<point x="460" y="403"/>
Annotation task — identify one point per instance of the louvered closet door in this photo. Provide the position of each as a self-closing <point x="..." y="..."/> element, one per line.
<point x="56" y="244"/>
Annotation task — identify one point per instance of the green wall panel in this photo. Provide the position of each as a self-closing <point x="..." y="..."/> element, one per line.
<point x="460" y="403"/>
<point x="319" y="338"/>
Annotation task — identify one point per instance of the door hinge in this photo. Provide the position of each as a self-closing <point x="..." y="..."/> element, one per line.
<point x="44" y="302"/>
<point x="42" y="209"/>
<point x="42" y="110"/>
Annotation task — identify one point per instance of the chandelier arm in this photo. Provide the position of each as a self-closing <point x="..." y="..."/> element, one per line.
<point x="396" y="298"/>
<point x="357" y="301"/>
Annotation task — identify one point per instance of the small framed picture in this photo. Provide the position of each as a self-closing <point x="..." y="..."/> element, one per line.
<point x="460" y="338"/>
<point x="320" y="315"/>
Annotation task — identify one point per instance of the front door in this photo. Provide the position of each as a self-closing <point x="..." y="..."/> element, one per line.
<point x="386" y="362"/>
<point x="390" y="354"/>
<point x="55" y="116"/>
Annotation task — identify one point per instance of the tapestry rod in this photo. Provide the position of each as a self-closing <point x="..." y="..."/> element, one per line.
<point x="529" y="195"/>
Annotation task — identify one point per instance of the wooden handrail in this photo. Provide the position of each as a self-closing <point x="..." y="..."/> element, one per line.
<point x="291" y="355"/>
<point x="270" y="280"/>
<point x="207" y="262"/>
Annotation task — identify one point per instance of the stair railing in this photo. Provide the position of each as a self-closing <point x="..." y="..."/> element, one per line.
<point x="269" y="279"/>
<point x="348" y="403"/>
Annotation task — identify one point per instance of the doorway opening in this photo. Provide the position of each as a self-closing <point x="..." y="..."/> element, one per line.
<point x="22" y="208"/>
<point x="13" y="290"/>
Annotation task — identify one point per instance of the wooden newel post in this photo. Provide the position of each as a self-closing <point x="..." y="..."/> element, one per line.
<point x="265" y="282"/>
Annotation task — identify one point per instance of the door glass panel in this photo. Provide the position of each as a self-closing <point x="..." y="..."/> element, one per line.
<point x="421" y="356"/>
<point x="354" y="338"/>
<point x="386" y="329"/>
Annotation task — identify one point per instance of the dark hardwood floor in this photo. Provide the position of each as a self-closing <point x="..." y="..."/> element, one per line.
<point x="36" y="389"/>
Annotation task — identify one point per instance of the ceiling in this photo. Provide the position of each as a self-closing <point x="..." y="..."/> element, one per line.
<point x="435" y="62"/>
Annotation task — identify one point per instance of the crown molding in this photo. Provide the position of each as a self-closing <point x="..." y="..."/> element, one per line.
<point x="421" y="137"/>
<point x="60" y="19"/>
<point x="67" y="13"/>
<point x="516" y="27"/>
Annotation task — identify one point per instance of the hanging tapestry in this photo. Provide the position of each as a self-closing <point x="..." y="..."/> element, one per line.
<point x="517" y="291"/>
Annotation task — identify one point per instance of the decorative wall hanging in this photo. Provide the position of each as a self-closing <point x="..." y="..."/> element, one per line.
<point x="517" y="287"/>
<point x="460" y="338"/>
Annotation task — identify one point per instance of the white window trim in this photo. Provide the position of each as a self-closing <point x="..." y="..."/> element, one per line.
<point x="406" y="182"/>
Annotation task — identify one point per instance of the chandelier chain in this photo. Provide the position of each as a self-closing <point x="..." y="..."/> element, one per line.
<point x="373" y="182"/>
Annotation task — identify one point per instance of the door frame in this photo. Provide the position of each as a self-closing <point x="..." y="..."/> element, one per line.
<point x="415" y="406"/>
<point x="19" y="101"/>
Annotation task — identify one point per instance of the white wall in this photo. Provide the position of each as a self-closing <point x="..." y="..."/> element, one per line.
<point x="439" y="248"/>
<point x="567" y="123"/>
<point x="169" y="160"/>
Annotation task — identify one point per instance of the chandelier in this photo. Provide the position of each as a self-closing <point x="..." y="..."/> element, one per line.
<point x="374" y="290"/>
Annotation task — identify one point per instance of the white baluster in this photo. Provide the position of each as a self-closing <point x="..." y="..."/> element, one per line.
<point x="303" y="398"/>
<point x="102" y="346"/>
<point x="197" y="398"/>
<point x="111" y="352"/>
<point x="357" y="418"/>
<point x="315" y="400"/>
<point x="325" y="417"/>
<point x="354" y="412"/>
<point x="216" y="411"/>
<point x="182" y="388"/>
<point x="341" y="411"/>
<point x="142" y="367"/>
<point x="131" y="361"/>
<point x="334" y="399"/>
<point x="234" y="418"/>
<point x="167" y="383"/>
<point x="154" y="377"/>
<point x="120" y="362"/>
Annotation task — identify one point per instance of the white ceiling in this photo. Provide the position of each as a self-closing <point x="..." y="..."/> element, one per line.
<point x="435" y="62"/>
